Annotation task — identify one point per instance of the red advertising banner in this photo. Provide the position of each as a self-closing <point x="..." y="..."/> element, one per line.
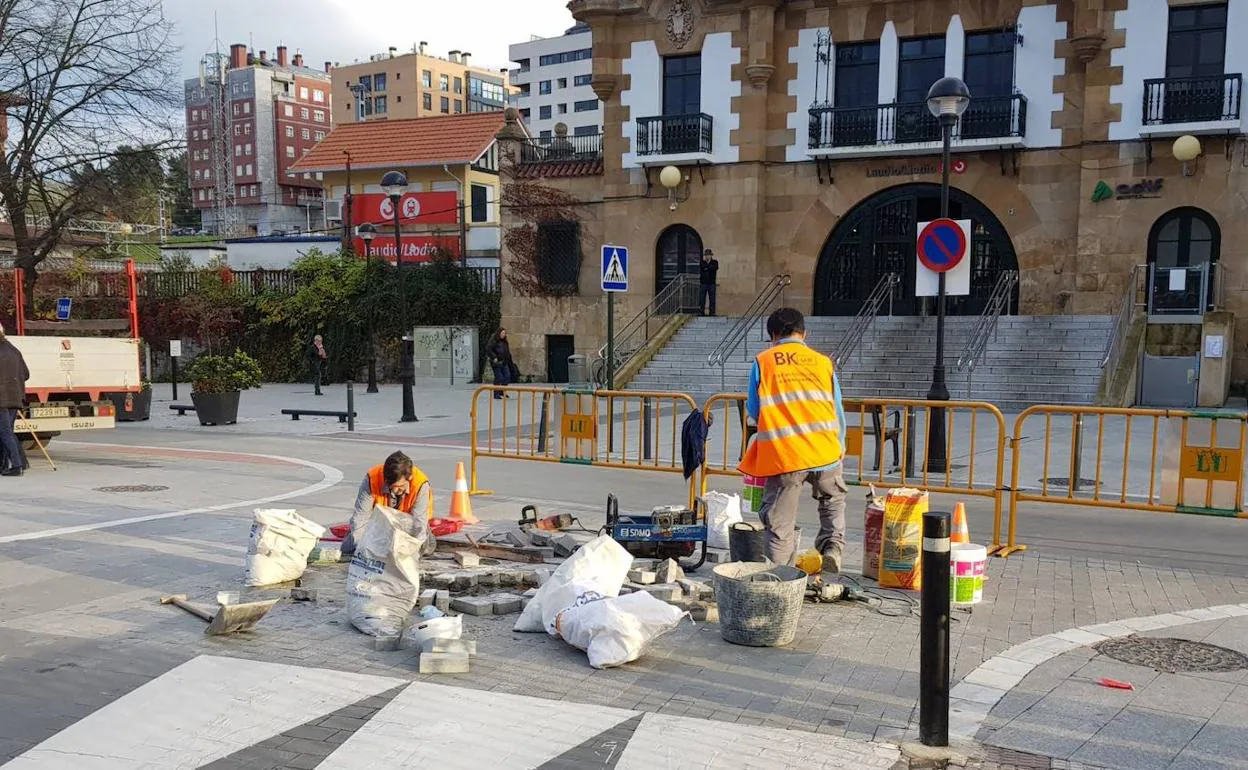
<point x="416" y="248"/>
<point x="415" y="208"/>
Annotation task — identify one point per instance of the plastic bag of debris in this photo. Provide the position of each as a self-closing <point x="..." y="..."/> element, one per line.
<point x="722" y="511"/>
<point x="383" y="581"/>
<point x="600" y="565"/>
<point x="616" y="630"/>
<point x="278" y="549"/>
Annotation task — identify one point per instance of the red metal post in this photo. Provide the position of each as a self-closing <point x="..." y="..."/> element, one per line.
<point x="19" y="299"/>
<point x="133" y="281"/>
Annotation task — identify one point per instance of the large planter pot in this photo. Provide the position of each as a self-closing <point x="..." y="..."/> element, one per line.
<point x="216" y="408"/>
<point x="132" y="407"/>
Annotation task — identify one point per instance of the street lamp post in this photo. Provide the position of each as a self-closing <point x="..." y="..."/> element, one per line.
<point x="947" y="99"/>
<point x="367" y="233"/>
<point x="394" y="184"/>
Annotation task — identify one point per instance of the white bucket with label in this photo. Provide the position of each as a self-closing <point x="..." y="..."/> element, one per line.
<point x="966" y="573"/>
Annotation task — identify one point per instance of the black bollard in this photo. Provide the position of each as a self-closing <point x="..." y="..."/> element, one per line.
<point x="541" y="428"/>
<point x="646" y="437"/>
<point x="350" y="405"/>
<point x="934" y="632"/>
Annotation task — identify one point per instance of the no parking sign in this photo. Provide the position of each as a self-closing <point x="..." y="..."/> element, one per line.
<point x="941" y="247"/>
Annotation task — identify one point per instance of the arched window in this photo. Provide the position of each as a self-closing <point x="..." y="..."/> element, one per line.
<point x="678" y="251"/>
<point x="1184" y="237"/>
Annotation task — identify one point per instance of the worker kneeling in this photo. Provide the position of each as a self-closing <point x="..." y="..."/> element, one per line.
<point x="397" y="484"/>
<point x="794" y="400"/>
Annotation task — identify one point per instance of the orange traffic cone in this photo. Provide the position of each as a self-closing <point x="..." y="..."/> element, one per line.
<point x="461" y="504"/>
<point x="961" y="533"/>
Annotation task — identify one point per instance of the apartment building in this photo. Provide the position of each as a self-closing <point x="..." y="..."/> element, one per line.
<point x="1104" y="150"/>
<point x="415" y="84"/>
<point x="271" y="111"/>
<point x="553" y="78"/>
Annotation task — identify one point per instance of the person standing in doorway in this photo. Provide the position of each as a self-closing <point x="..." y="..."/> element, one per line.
<point x="708" y="276"/>
<point x="499" y="351"/>
<point x="13" y="377"/>
<point x="794" y="401"/>
<point x="318" y="359"/>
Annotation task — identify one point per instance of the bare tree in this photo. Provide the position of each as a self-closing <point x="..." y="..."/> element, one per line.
<point x="88" y="76"/>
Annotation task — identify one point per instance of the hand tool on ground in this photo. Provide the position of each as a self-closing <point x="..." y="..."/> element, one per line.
<point x="668" y="532"/>
<point x="529" y="518"/>
<point x="19" y="424"/>
<point x="229" y="618"/>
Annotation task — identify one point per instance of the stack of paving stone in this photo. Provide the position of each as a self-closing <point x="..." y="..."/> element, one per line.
<point x="666" y="580"/>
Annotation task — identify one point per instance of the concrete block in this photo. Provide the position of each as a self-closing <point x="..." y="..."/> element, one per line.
<point x="467" y="559"/>
<point x="440" y="580"/>
<point x="427" y="598"/>
<point x="541" y="575"/>
<point x="670" y="572"/>
<point x="547" y="552"/>
<point x="642" y="577"/>
<point x="473" y="605"/>
<point x="386" y="643"/>
<point x="565" y="545"/>
<point x="463" y="582"/>
<point x="443" y="600"/>
<point x="541" y="537"/>
<point x="704" y="612"/>
<point x="488" y="579"/>
<point x="664" y="591"/>
<point x="508" y="578"/>
<point x="529" y="594"/>
<point x="303" y="594"/>
<point x="506" y="604"/>
<point x="694" y="589"/>
<point x="444" y="663"/>
<point x="463" y="646"/>
<point x="718" y="556"/>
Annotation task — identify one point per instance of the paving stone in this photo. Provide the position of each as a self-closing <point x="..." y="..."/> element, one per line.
<point x="468" y="647"/>
<point x="440" y="580"/>
<point x="473" y="605"/>
<point x="467" y="559"/>
<point x="669" y="571"/>
<point x="704" y="613"/>
<point x="506" y="604"/>
<point x="443" y="600"/>
<point x="444" y="663"/>
<point x="642" y="577"/>
<point x="386" y="643"/>
<point x="463" y="582"/>
<point x="565" y="545"/>
<point x="508" y="578"/>
<point x="488" y="579"/>
<point x="695" y="589"/>
<point x="541" y="537"/>
<point x="427" y="598"/>
<point x="718" y="556"/>
<point x="303" y="594"/>
<point x="663" y="591"/>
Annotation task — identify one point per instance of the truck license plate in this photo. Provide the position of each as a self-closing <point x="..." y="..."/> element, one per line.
<point x="48" y="412"/>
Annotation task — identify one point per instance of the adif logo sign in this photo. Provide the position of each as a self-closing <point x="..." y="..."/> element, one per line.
<point x="1145" y="188"/>
<point x="409" y="207"/>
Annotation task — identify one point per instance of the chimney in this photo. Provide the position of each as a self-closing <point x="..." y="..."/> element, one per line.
<point x="393" y="50"/>
<point x="463" y="58"/>
<point x="264" y="57"/>
<point x="298" y="60"/>
<point x="282" y="60"/>
<point x="329" y="66"/>
<point x="423" y="46"/>
<point x="238" y="56"/>
<point x="453" y="56"/>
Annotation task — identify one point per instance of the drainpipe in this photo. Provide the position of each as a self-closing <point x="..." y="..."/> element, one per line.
<point x="463" y="215"/>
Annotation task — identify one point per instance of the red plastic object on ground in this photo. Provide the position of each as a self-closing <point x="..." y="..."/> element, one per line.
<point x="338" y="531"/>
<point x="443" y="527"/>
<point x="1114" y="683"/>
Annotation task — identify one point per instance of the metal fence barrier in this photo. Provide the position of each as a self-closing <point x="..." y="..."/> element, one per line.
<point x="628" y="430"/>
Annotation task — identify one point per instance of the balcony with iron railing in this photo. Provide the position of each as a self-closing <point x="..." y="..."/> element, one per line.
<point x="674" y="138"/>
<point x="585" y="147"/>
<point x="1177" y="106"/>
<point x="892" y="129"/>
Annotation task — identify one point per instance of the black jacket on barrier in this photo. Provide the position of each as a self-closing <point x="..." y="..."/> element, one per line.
<point x="693" y="442"/>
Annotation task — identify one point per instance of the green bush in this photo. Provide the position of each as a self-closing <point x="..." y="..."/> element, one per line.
<point x="224" y="374"/>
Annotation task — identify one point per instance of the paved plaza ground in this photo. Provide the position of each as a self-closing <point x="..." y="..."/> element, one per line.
<point x="95" y="673"/>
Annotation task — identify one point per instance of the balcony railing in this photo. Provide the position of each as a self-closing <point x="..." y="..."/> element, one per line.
<point x="992" y="117"/>
<point x="1192" y="100"/>
<point x="674" y="134"/>
<point x="557" y="148"/>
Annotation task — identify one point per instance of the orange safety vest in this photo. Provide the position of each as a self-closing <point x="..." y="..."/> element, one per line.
<point x="377" y="484"/>
<point x="797" y="425"/>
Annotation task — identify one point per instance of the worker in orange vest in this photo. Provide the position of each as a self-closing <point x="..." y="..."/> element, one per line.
<point x="397" y="484"/>
<point x="794" y="401"/>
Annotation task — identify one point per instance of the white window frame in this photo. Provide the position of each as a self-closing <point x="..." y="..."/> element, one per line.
<point x="303" y="93"/>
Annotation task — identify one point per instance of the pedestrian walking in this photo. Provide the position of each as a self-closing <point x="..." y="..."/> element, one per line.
<point x="13" y="377"/>
<point x="505" y="370"/>
<point x="318" y="358"/>
<point x="794" y="404"/>
<point x="708" y="275"/>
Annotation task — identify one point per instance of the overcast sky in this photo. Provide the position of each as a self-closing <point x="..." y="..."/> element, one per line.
<point x="347" y="30"/>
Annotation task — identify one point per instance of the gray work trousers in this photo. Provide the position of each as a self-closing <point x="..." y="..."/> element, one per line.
<point x="781" y="495"/>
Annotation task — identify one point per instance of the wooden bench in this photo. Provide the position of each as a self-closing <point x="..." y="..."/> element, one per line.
<point x="881" y="430"/>
<point x="182" y="409"/>
<point x="295" y="414"/>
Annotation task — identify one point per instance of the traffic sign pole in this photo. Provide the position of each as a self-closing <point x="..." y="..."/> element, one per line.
<point x="610" y="340"/>
<point x="937" y="457"/>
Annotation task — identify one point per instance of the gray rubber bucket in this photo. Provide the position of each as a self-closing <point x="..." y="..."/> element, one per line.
<point x="759" y="604"/>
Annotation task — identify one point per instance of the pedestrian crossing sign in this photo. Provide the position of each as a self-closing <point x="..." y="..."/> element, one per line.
<point x="614" y="268"/>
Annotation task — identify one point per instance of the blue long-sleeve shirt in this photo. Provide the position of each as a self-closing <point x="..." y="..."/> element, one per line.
<point x="752" y="402"/>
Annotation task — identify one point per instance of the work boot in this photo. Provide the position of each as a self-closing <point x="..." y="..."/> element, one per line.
<point x="833" y="555"/>
<point x="12" y="472"/>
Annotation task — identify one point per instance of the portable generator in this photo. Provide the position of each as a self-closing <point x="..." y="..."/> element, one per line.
<point x="667" y="532"/>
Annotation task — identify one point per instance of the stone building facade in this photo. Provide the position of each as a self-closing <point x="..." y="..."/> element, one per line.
<point x="805" y="148"/>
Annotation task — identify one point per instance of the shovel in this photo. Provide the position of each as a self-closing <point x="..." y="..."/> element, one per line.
<point x="229" y="619"/>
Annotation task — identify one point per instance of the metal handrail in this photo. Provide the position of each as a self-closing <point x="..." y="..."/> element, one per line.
<point x="986" y="326"/>
<point x="884" y="289"/>
<point x="741" y="328"/>
<point x="676" y="297"/>
<point x="1122" y="321"/>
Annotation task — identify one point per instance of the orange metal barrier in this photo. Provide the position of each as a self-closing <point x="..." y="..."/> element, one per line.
<point x="1182" y="468"/>
<point x="628" y="430"/>
<point x="898" y="422"/>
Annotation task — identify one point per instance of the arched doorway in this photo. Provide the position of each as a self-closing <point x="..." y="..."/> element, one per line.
<point x="877" y="237"/>
<point x="1183" y="250"/>
<point x="678" y="250"/>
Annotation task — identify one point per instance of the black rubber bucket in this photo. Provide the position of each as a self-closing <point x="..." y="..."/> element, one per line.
<point x="747" y="542"/>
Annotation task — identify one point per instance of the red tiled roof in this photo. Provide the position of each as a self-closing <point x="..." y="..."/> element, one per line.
<point x="442" y="140"/>
<point x="561" y="168"/>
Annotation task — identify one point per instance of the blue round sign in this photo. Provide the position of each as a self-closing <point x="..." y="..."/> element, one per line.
<point x="941" y="245"/>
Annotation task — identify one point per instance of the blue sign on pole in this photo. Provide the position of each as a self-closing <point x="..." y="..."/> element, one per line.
<point x="63" y="306"/>
<point x="942" y="245"/>
<point x="614" y="268"/>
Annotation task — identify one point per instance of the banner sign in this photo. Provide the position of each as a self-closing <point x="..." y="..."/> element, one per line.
<point x="415" y="208"/>
<point x="416" y="248"/>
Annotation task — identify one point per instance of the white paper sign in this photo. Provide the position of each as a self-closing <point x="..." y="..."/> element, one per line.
<point x="175" y="348"/>
<point x="1178" y="280"/>
<point x="957" y="280"/>
<point x="1214" y="345"/>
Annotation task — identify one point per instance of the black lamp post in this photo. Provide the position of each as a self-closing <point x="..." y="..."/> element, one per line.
<point x="947" y="99"/>
<point x="367" y="233"/>
<point x="394" y="184"/>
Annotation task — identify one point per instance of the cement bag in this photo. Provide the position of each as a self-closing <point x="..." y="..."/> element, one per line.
<point x="722" y="511"/>
<point x="279" y="546"/>
<point x="901" y="545"/>
<point x="752" y="494"/>
<point x="614" y="631"/>
<point x="600" y="565"/>
<point x="384" y="577"/>
<point x="872" y="534"/>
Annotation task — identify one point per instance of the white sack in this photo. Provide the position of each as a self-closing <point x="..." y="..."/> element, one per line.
<point x="278" y="549"/>
<point x="383" y="580"/>
<point x="600" y="565"/>
<point x="722" y="511"/>
<point x="617" y="630"/>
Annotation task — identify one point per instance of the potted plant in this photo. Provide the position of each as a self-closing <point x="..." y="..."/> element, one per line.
<point x="217" y="381"/>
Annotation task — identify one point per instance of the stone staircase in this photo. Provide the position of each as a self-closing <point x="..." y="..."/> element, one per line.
<point x="1030" y="360"/>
